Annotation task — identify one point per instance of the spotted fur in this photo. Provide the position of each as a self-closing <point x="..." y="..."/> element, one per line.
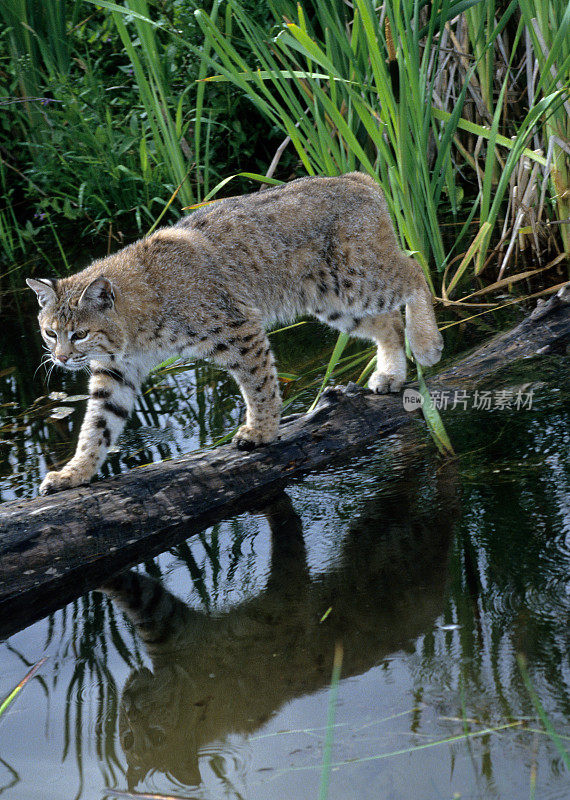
<point x="210" y="286"/>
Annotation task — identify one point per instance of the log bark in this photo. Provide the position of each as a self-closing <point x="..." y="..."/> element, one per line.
<point x="54" y="549"/>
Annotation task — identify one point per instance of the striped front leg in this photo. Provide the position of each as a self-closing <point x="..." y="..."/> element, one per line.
<point x="111" y="401"/>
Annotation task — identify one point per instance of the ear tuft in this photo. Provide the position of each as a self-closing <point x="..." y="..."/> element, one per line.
<point x="44" y="290"/>
<point x="99" y="295"/>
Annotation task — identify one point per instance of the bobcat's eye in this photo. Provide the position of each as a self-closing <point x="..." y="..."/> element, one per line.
<point x="79" y="335"/>
<point x="50" y="334"/>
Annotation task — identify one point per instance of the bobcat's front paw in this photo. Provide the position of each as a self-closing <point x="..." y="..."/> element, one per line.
<point x="383" y="383"/>
<point x="63" y="479"/>
<point x="249" y="437"/>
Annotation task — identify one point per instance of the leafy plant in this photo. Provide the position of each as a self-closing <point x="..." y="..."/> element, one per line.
<point x="358" y="87"/>
<point x="102" y="122"/>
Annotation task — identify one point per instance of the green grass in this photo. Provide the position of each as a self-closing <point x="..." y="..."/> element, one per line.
<point x="103" y="122"/>
<point x="80" y="141"/>
<point x="164" y="113"/>
<point x="327" y="81"/>
<point x="547" y="24"/>
<point x="9" y="699"/>
<point x="440" y="103"/>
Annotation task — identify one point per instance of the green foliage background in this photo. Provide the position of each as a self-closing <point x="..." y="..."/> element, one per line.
<point x="113" y="114"/>
<point x="77" y="141"/>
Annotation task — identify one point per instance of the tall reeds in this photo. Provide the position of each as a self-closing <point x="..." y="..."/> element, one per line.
<point x="461" y="110"/>
<point x="163" y="111"/>
<point x="97" y="125"/>
<point x="431" y="100"/>
<point x="547" y="41"/>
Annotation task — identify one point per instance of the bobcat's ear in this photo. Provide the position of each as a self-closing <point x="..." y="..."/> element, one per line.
<point x="44" y="290"/>
<point x="100" y="294"/>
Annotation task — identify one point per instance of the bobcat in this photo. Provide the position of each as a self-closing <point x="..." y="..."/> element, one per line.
<point x="210" y="285"/>
<point x="213" y="675"/>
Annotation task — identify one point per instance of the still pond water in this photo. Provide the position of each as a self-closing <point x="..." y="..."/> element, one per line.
<point x="431" y="582"/>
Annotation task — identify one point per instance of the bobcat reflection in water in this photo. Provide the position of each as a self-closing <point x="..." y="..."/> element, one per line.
<point x="213" y="676"/>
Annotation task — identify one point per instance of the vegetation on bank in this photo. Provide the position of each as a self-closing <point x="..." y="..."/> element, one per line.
<point x="461" y="109"/>
<point x="98" y="124"/>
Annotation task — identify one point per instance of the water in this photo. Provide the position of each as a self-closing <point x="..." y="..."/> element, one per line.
<point x="431" y="581"/>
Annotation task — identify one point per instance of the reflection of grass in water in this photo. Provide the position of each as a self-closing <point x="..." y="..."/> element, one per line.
<point x="517" y="725"/>
<point x="91" y="628"/>
<point x="333" y="694"/>
<point x="548" y="727"/>
<point x="86" y="634"/>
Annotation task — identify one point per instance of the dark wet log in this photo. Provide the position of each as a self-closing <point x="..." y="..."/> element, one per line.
<point x="55" y="548"/>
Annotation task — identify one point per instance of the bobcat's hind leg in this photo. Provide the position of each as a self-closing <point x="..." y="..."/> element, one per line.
<point x="247" y="356"/>
<point x="387" y="330"/>
<point x="426" y="342"/>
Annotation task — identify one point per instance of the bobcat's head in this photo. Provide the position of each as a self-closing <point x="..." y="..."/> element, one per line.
<point x="158" y="726"/>
<point x="78" y="323"/>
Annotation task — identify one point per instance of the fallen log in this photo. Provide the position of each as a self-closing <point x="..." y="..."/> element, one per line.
<point x="55" y="548"/>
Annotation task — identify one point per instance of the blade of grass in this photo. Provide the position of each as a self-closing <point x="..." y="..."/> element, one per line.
<point x="167" y="205"/>
<point x="433" y="419"/>
<point x="333" y="695"/>
<point x="17" y="689"/>
<point x="466" y="260"/>
<point x="341" y="343"/>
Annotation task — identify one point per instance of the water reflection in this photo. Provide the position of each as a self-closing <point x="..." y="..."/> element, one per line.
<point x="213" y="676"/>
<point x="431" y="621"/>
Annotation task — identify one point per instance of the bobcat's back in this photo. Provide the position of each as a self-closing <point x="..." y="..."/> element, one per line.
<point x="300" y="247"/>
